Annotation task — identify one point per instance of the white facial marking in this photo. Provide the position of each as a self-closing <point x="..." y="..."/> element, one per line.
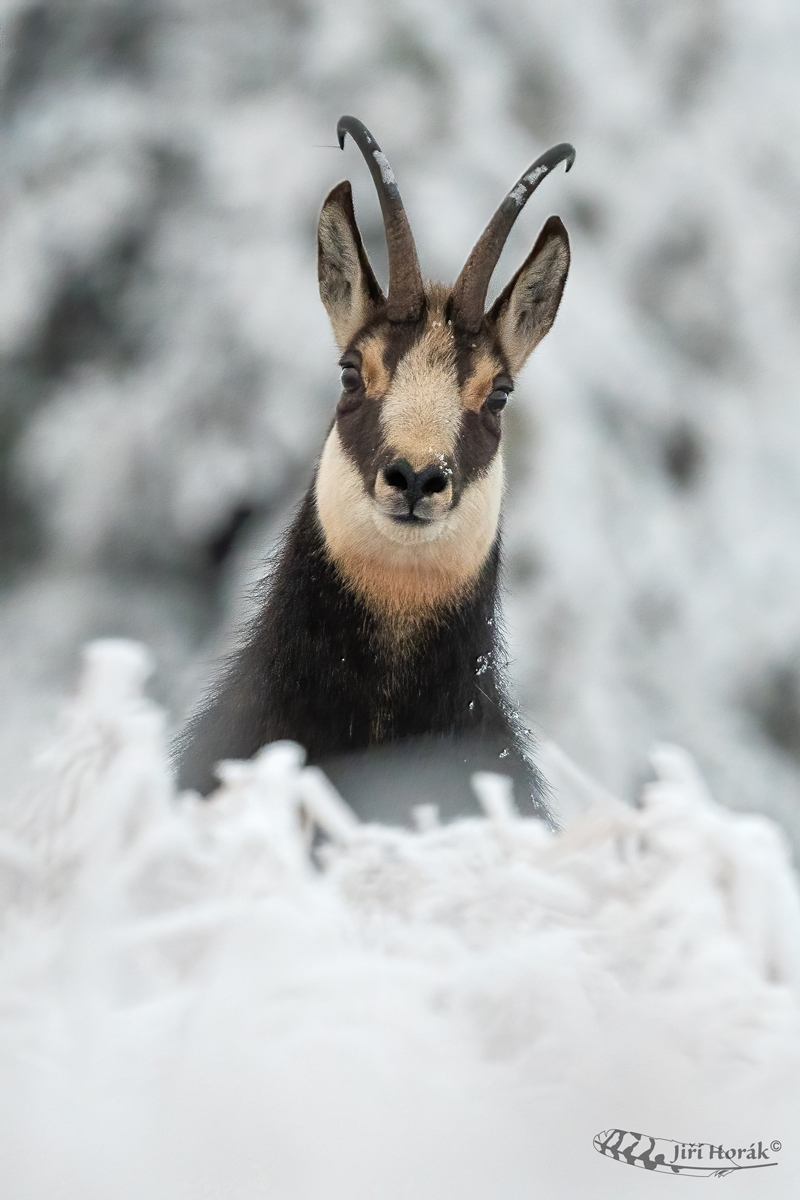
<point x="421" y="413"/>
<point x="403" y="566"/>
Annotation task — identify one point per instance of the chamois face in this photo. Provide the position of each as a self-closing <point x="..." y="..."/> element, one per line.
<point x="410" y="481"/>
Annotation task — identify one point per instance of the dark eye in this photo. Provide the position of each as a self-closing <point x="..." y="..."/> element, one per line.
<point x="351" y="378"/>
<point x="498" y="399"/>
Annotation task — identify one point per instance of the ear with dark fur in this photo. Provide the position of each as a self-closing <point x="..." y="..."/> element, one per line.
<point x="347" y="283"/>
<point x="525" y="310"/>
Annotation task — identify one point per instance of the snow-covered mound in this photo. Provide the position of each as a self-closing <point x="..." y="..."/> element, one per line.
<point x="197" y="1003"/>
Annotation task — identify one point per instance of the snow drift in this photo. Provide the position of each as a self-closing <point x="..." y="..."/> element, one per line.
<point x="210" y="999"/>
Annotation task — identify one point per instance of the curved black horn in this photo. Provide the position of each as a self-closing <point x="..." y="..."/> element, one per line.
<point x="469" y="293"/>
<point x="406" y="293"/>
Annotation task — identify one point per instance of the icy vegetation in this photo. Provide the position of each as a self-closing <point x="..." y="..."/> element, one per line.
<point x="259" y="996"/>
<point x="167" y="374"/>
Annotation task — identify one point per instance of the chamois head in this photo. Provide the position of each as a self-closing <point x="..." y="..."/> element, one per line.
<point x="410" y="481"/>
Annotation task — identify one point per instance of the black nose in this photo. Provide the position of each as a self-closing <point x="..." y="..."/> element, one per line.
<point x="415" y="485"/>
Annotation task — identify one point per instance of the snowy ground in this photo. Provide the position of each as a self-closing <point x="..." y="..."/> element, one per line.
<point x="195" y="1005"/>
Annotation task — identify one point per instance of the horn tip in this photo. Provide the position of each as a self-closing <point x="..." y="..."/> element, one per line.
<point x="357" y="130"/>
<point x="563" y="152"/>
<point x="341" y="130"/>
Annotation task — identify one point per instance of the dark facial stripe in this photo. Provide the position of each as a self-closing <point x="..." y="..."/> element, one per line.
<point x="399" y="338"/>
<point x="471" y="348"/>
<point x="361" y="437"/>
<point x="466" y="350"/>
<point x="476" y="445"/>
<point x="359" y="424"/>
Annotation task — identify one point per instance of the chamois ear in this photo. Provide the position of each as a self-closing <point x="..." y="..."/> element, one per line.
<point x="525" y="310"/>
<point x="347" y="283"/>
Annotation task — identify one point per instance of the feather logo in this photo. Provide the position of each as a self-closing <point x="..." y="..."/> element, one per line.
<point x="699" y="1159"/>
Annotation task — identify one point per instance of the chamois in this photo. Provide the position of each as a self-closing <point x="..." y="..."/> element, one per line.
<point x="380" y="621"/>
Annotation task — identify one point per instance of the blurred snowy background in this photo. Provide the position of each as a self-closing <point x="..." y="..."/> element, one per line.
<point x="167" y="373"/>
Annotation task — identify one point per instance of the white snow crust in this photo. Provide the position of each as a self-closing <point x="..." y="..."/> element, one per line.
<point x="387" y="174"/>
<point x="199" y="1000"/>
